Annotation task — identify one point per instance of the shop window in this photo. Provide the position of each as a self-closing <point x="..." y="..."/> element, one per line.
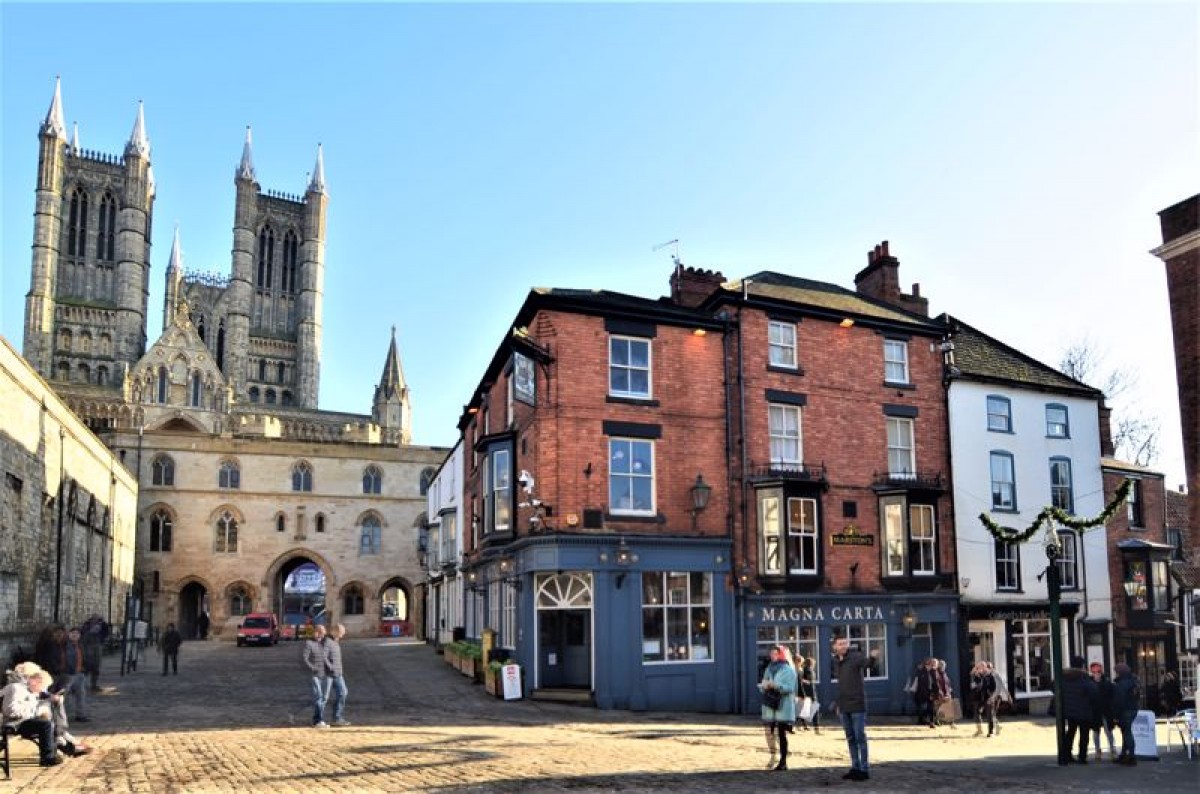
<point x="677" y="617"/>
<point x="871" y="640"/>
<point x="800" y="640"/>
<point x="1032" y="672"/>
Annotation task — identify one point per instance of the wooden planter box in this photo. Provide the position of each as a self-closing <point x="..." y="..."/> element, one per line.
<point x="494" y="683"/>
<point x="466" y="666"/>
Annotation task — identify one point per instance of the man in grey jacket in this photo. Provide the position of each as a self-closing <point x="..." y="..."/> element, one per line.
<point x="849" y="668"/>
<point x="333" y="667"/>
<point x="314" y="659"/>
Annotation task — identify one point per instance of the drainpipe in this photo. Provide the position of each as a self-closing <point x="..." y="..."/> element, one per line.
<point x="741" y="376"/>
<point x="58" y="549"/>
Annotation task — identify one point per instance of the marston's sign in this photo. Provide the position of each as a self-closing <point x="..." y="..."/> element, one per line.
<point x="810" y="614"/>
<point x="851" y="539"/>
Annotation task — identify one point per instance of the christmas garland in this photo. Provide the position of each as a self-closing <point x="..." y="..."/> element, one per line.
<point x="1062" y="517"/>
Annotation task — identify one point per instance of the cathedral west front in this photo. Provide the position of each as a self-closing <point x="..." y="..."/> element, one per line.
<point x="250" y="497"/>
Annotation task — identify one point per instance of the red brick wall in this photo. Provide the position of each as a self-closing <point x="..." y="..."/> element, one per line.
<point x="563" y="444"/>
<point x="844" y="427"/>
<point x="1183" y="284"/>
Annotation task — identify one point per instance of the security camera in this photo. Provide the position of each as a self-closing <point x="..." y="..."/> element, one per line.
<point x="526" y="480"/>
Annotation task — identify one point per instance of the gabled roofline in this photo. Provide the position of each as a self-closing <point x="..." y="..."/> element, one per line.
<point x="1082" y="390"/>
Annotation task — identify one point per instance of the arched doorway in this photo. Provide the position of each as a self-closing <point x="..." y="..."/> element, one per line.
<point x="193" y="603"/>
<point x="301" y="593"/>
<point x="395" y="601"/>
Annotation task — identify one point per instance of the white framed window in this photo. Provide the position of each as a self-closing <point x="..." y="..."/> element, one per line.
<point x="1068" y="560"/>
<point x="895" y="361"/>
<point x="1133" y="505"/>
<point x="1061" y="488"/>
<point x="895" y="544"/>
<point x="999" y="414"/>
<point x="1008" y="566"/>
<point x="769" y="525"/>
<point x="495" y="607"/>
<point x="902" y="459"/>
<point x="924" y="539"/>
<point x="781" y="344"/>
<point x="508" y="617"/>
<point x="800" y="640"/>
<point x="1032" y="670"/>
<point x="677" y="617"/>
<point x="871" y="640"/>
<point x="501" y="486"/>
<point x="629" y="367"/>
<point x="1057" y="424"/>
<point x="631" y="476"/>
<point x="784" y="421"/>
<point x="1004" y="484"/>
<point x="802" y="536"/>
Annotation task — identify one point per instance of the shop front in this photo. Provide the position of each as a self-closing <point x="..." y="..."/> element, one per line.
<point x="896" y="631"/>
<point x="1016" y="639"/>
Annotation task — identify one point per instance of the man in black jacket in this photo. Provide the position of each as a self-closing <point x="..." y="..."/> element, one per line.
<point x="171" y="640"/>
<point x="849" y="668"/>
<point x="1080" y="696"/>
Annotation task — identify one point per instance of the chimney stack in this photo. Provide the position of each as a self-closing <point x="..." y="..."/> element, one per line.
<point x="880" y="280"/>
<point x="690" y="286"/>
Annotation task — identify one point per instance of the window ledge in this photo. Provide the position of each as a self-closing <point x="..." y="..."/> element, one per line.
<point x="894" y="385"/>
<point x="796" y="370"/>
<point x="1016" y="591"/>
<point x="1012" y="511"/>
<point x="1005" y="432"/>
<point x="647" y="401"/>
<point x="1061" y="438"/>
<point x="636" y="518"/>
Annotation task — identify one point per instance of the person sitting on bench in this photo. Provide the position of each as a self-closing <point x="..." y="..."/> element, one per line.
<point x="52" y="707"/>
<point x="19" y="709"/>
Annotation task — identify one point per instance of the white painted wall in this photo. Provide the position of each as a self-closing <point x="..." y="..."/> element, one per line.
<point x="445" y="498"/>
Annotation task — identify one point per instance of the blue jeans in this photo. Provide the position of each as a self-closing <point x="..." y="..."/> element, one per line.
<point x="855" y="726"/>
<point x="338" y="686"/>
<point x="320" y="693"/>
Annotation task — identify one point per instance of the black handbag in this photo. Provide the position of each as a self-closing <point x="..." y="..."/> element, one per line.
<point x="772" y="698"/>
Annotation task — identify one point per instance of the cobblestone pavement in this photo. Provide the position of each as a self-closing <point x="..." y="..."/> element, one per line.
<point x="236" y="719"/>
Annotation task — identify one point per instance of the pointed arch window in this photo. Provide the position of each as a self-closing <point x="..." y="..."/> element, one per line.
<point x="372" y="480"/>
<point x="102" y="376"/>
<point x="262" y="369"/>
<point x="266" y="257"/>
<point x="221" y="345"/>
<point x="226" y="540"/>
<point x="270" y="397"/>
<point x="85" y="373"/>
<point x="427" y="476"/>
<point x="161" y="387"/>
<point x="253" y="394"/>
<point x="280" y="523"/>
<point x="302" y="477"/>
<point x="106" y="236"/>
<point x="161" y="531"/>
<point x="77" y="223"/>
<point x="279" y="372"/>
<point x="352" y="600"/>
<point x="291" y="249"/>
<point x="230" y="476"/>
<point x="162" y="470"/>
<point x="320" y="522"/>
<point x="64" y="371"/>
<point x="239" y="600"/>
<point x="370" y="539"/>
<point x="197" y="391"/>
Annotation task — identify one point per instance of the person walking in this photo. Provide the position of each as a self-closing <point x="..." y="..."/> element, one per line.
<point x="93" y="650"/>
<point x="313" y="655"/>
<point x="1079" y="698"/>
<point x="1104" y="719"/>
<point x="333" y="668"/>
<point x="202" y="623"/>
<point x="808" y="709"/>
<point x="778" y="687"/>
<point x="849" y="668"/>
<point x="985" y="698"/>
<point x="926" y="693"/>
<point x="75" y="677"/>
<point x="944" y="702"/>
<point x="171" y="640"/>
<point x="1126" y="698"/>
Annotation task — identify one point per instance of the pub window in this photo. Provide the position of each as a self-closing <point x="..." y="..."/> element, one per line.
<point x="871" y="640"/>
<point x="676" y="617"/>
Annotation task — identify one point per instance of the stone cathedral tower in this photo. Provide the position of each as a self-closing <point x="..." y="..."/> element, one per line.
<point x="85" y="313"/>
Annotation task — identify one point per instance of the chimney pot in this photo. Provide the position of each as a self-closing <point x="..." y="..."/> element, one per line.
<point x="916" y="292"/>
<point x="885" y="247"/>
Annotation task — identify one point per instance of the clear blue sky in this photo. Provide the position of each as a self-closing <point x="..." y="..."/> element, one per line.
<point x="1014" y="155"/>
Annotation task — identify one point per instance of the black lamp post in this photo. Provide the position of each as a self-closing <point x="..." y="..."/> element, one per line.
<point x="1053" y="586"/>
<point x="701" y="491"/>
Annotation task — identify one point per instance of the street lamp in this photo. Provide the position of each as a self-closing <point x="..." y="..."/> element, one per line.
<point x="625" y="555"/>
<point x="1053" y="586"/>
<point x="700" y="491"/>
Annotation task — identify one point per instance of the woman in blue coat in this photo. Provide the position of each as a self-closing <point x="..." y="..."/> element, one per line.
<point x="778" y="719"/>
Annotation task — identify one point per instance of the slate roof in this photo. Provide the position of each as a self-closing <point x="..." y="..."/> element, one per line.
<point x="978" y="356"/>
<point x="1177" y="510"/>
<point x="826" y="298"/>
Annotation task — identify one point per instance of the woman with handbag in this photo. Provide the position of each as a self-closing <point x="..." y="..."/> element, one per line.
<point x="808" y="710"/>
<point x="778" y="689"/>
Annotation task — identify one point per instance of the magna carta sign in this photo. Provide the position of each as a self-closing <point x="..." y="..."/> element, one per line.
<point x="851" y="537"/>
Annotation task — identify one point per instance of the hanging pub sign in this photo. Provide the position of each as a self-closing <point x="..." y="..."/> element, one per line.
<point x="524" y="380"/>
<point x="851" y="537"/>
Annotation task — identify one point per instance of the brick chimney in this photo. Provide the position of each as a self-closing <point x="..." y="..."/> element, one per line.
<point x="1107" y="449"/>
<point x="691" y="285"/>
<point x="880" y="280"/>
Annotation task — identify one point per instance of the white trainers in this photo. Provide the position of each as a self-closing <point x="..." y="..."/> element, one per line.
<point x="321" y="724"/>
<point x="341" y="723"/>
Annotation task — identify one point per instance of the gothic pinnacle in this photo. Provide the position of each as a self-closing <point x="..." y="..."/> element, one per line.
<point x="317" y="185"/>
<point x="139" y="144"/>
<point x="54" y="124"/>
<point x="246" y="169"/>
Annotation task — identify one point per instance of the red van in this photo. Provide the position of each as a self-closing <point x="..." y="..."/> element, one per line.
<point x="258" y="628"/>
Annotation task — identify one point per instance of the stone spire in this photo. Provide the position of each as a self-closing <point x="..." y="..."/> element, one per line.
<point x="391" y="408"/>
<point x="317" y="184"/>
<point x="174" y="298"/>
<point x="391" y="384"/>
<point x="139" y="144"/>
<point x="54" y="124"/>
<point x="175" y="263"/>
<point x="246" y="169"/>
